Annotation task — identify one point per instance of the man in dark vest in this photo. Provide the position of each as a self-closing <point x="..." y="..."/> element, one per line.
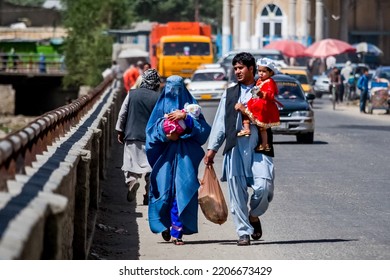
<point x="243" y="166"/>
<point x="131" y="125"/>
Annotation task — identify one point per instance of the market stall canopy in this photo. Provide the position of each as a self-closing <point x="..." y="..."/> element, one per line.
<point x="287" y="47"/>
<point x="133" y="53"/>
<point x="367" y="48"/>
<point x="328" y="47"/>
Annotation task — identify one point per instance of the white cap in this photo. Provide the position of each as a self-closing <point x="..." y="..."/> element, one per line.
<point x="266" y="62"/>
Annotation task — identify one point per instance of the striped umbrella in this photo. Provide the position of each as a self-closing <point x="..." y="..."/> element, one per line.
<point x="367" y="48"/>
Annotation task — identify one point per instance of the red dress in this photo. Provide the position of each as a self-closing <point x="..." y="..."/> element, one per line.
<point x="263" y="110"/>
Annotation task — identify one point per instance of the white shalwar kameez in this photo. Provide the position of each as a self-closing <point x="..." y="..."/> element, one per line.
<point x="243" y="168"/>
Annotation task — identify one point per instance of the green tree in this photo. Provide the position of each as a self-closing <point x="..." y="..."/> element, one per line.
<point x="88" y="48"/>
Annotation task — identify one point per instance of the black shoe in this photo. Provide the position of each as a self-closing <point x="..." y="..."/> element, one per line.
<point x="146" y="199"/>
<point x="166" y="235"/>
<point x="244" y="240"/>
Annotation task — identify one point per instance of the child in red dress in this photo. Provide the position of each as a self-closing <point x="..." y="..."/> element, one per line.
<point x="262" y="108"/>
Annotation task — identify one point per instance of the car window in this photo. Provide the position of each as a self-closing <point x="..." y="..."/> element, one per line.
<point x="209" y="76"/>
<point x="301" y="78"/>
<point x="186" y="48"/>
<point x="289" y="90"/>
<point x="384" y="74"/>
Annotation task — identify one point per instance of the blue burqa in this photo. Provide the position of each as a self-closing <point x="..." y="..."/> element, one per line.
<point x="174" y="163"/>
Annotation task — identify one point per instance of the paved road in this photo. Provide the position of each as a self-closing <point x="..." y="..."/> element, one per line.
<point x="331" y="201"/>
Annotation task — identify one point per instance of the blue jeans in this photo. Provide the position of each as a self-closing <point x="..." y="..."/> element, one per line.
<point x="363" y="100"/>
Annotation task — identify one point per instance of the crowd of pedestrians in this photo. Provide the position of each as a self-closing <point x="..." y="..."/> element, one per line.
<point x="170" y="158"/>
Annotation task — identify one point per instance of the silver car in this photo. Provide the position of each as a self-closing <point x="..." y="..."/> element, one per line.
<point x="321" y="85"/>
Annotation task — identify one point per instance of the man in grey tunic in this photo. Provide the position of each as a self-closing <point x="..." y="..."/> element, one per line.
<point x="131" y="125"/>
<point x="243" y="167"/>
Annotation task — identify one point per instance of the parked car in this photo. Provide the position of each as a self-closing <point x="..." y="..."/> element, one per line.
<point x="208" y="83"/>
<point x="382" y="72"/>
<point x="297" y="115"/>
<point x="277" y="56"/>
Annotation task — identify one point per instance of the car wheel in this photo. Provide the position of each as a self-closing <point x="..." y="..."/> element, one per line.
<point x="307" y="138"/>
<point x="318" y="94"/>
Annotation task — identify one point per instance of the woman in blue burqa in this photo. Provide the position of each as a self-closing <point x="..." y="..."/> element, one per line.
<point x="175" y="159"/>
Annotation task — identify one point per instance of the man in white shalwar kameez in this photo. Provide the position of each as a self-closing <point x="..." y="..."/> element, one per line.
<point x="131" y="124"/>
<point x="243" y="167"/>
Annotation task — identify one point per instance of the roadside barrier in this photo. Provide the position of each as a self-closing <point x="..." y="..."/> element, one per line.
<point x="49" y="178"/>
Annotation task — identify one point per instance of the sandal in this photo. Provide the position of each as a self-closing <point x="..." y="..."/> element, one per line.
<point x="246" y="133"/>
<point x="177" y="241"/>
<point x="166" y="235"/>
<point x="259" y="148"/>
<point x="244" y="240"/>
<point x="257" y="231"/>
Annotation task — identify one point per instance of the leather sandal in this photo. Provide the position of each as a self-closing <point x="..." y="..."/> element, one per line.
<point x="177" y="241"/>
<point x="244" y="240"/>
<point x="257" y="231"/>
<point x="260" y="148"/>
<point x="267" y="148"/>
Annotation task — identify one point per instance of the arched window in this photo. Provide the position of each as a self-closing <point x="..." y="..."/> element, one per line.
<point x="271" y="20"/>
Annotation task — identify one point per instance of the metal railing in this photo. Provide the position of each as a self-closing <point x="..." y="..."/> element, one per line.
<point x="19" y="149"/>
<point x="32" y="63"/>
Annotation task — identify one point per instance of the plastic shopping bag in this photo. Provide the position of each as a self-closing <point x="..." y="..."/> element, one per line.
<point x="211" y="199"/>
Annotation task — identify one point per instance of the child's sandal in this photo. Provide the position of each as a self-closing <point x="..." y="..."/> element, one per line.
<point x="244" y="133"/>
<point x="260" y="148"/>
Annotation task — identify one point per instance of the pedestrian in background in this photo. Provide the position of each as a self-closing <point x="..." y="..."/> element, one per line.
<point x="243" y="166"/>
<point x="131" y="74"/>
<point x="335" y="80"/>
<point x="131" y="124"/>
<point x="175" y="158"/>
<point x="362" y="84"/>
<point x="147" y="66"/>
<point x="42" y="63"/>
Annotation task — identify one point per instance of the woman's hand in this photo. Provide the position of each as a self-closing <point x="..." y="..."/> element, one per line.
<point x="239" y="107"/>
<point x="176" y="115"/>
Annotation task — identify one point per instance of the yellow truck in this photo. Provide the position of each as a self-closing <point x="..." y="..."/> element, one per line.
<point x="178" y="48"/>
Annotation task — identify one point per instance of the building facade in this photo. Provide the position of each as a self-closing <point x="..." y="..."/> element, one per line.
<point x="251" y="24"/>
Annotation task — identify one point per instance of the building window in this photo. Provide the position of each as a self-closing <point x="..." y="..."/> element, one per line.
<point x="271" y="21"/>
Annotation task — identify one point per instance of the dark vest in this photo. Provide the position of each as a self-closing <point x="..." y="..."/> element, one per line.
<point x="140" y="107"/>
<point x="232" y="96"/>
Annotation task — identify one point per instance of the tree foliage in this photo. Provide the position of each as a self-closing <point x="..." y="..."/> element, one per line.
<point x="88" y="48"/>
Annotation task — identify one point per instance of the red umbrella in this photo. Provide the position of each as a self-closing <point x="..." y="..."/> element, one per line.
<point x="287" y="47"/>
<point x="328" y="47"/>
